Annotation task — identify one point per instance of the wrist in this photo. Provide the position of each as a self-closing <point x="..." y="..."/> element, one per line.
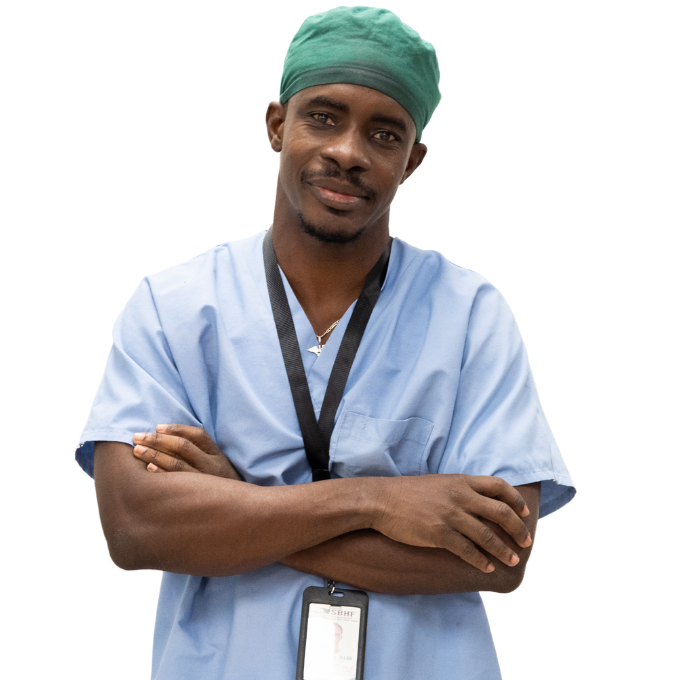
<point x="371" y="500"/>
<point x="356" y="501"/>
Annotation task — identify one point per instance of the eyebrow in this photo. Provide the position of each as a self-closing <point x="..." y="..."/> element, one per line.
<point x="322" y="100"/>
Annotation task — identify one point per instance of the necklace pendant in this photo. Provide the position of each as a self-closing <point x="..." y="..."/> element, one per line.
<point x="316" y="350"/>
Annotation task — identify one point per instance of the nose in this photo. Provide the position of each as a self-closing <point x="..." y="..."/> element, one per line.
<point x="348" y="149"/>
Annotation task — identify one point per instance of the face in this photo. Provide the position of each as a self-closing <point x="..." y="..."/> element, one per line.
<point x="345" y="149"/>
<point x="338" y="638"/>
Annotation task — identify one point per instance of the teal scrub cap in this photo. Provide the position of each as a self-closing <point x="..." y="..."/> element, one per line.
<point x="365" y="46"/>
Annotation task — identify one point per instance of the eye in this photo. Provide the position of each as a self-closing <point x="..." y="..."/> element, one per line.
<point x="385" y="136"/>
<point x="323" y="118"/>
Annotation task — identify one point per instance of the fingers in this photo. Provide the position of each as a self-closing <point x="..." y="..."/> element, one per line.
<point x="504" y="505"/>
<point x="486" y="538"/>
<point x="160" y="461"/>
<point x="459" y="545"/>
<point x="196" y="435"/>
<point x="495" y="487"/>
<point x="178" y="447"/>
<point x="501" y="514"/>
<point x="494" y="501"/>
<point x="192" y="445"/>
<point x="466" y="540"/>
<point x="187" y="431"/>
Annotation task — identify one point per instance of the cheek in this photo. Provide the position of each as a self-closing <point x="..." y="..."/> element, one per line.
<point x="295" y="155"/>
<point x="396" y="174"/>
<point x="395" y="182"/>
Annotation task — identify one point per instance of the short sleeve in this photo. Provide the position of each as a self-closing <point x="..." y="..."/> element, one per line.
<point x="141" y="386"/>
<point x="498" y="425"/>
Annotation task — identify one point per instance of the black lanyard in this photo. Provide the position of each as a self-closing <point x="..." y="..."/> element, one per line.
<point x="317" y="435"/>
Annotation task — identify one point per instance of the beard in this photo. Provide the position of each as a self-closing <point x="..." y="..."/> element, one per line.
<point x="320" y="234"/>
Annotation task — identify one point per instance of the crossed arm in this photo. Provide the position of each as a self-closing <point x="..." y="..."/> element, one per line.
<point x="402" y="535"/>
<point x="370" y="561"/>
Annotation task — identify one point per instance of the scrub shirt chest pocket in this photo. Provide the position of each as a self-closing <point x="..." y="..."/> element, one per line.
<point x="376" y="447"/>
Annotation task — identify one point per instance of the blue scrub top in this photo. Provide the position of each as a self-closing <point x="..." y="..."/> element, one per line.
<point x="441" y="383"/>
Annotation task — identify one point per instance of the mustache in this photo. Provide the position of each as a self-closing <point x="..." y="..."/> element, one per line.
<point x="334" y="173"/>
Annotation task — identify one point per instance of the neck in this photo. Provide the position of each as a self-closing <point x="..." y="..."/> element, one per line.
<point x="325" y="277"/>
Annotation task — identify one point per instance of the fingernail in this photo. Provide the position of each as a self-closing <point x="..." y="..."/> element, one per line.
<point x="514" y="560"/>
<point x="526" y="511"/>
<point x="138" y="437"/>
<point x="151" y="467"/>
<point x="490" y="568"/>
<point x="528" y="542"/>
<point x="161" y="428"/>
<point x="139" y="449"/>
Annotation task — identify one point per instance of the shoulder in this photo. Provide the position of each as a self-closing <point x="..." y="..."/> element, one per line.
<point x="203" y="268"/>
<point x="179" y="292"/>
<point x="198" y="279"/>
<point x="428" y="274"/>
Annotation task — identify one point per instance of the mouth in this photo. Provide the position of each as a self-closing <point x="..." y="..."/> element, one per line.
<point x="336" y="195"/>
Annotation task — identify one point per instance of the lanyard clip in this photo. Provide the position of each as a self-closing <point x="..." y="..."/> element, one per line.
<point x="331" y="585"/>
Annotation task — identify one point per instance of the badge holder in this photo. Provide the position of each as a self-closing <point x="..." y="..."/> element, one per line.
<point x="332" y="634"/>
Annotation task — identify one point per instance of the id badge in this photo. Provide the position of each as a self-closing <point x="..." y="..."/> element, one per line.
<point x="332" y="634"/>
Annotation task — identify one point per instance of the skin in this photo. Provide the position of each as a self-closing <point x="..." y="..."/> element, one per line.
<point x="366" y="558"/>
<point x="345" y="150"/>
<point x="326" y="153"/>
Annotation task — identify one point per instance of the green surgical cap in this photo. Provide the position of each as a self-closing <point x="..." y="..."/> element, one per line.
<point x="365" y="46"/>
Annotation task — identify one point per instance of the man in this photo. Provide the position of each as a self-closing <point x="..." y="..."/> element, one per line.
<point x="437" y="455"/>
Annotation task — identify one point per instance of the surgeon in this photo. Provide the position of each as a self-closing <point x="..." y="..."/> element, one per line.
<point x="323" y="406"/>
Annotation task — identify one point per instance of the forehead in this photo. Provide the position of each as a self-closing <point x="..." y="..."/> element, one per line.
<point x="355" y="100"/>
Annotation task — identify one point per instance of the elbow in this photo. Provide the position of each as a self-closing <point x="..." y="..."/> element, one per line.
<point x="126" y="533"/>
<point x="509" y="579"/>
<point x="124" y="548"/>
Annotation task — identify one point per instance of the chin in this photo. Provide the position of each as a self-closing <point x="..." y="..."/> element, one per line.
<point x="327" y="233"/>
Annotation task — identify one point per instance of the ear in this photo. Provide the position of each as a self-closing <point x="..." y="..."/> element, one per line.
<point x="416" y="157"/>
<point x="276" y="117"/>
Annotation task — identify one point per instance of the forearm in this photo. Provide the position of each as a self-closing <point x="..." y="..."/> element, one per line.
<point x="210" y="526"/>
<point x="370" y="561"/>
<point x="205" y="529"/>
<point x="373" y="562"/>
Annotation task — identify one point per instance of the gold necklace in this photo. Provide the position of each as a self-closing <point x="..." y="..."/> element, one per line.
<point x="317" y="350"/>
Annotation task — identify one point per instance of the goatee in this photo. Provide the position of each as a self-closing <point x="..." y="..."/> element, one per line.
<point x="325" y="237"/>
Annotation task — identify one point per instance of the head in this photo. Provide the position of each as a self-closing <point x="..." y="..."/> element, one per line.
<point x="357" y="90"/>
<point x="338" y="637"/>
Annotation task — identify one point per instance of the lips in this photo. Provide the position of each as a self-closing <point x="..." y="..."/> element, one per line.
<point x="336" y="194"/>
<point x="339" y="188"/>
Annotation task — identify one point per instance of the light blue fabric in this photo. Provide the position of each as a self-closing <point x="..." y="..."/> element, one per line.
<point x="441" y="383"/>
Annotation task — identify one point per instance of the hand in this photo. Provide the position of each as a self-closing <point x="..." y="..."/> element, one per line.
<point x="182" y="448"/>
<point x="447" y="511"/>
